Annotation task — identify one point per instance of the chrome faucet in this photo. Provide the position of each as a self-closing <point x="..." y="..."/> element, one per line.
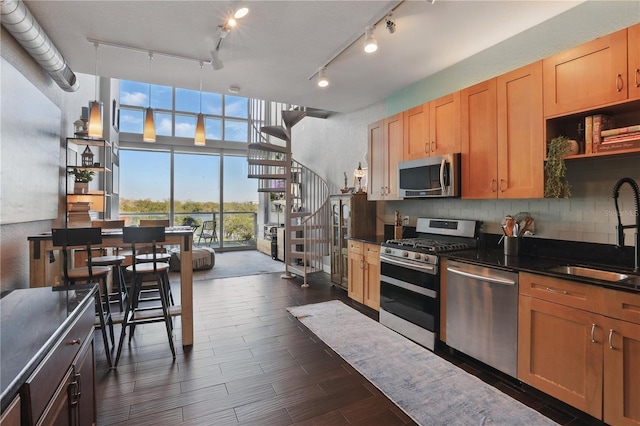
<point x="620" y="227"/>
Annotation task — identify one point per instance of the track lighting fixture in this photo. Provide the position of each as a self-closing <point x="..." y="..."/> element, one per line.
<point x="391" y="25"/>
<point x="322" y="78"/>
<point x="95" y="108"/>
<point x="370" y="42"/>
<point x="149" y="131"/>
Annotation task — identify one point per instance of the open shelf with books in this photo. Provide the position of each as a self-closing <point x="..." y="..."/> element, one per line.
<point x="610" y="130"/>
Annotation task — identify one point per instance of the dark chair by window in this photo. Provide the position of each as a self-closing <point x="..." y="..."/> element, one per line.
<point x="138" y="311"/>
<point x="208" y="232"/>
<point x="82" y="239"/>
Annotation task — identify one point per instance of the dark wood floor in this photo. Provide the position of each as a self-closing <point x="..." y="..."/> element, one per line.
<point x="254" y="364"/>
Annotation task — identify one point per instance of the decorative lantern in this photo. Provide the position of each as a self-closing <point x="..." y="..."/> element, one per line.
<point x="80" y="127"/>
<point x="87" y="157"/>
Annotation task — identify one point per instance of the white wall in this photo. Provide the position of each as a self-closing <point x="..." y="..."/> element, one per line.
<point x="336" y="144"/>
<point x="14" y="249"/>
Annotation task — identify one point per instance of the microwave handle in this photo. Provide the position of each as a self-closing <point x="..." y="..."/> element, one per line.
<point x="444" y="177"/>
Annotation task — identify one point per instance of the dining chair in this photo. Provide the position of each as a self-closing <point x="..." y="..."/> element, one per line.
<point x="76" y="239"/>
<point x="138" y="311"/>
<point x="208" y="232"/>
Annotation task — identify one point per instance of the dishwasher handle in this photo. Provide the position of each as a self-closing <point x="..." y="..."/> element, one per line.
<point x="492" y="280"/>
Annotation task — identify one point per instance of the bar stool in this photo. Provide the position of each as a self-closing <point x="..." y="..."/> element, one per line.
<point x="115" y="262"/>
<point x="161" y="256"/>
<point x="86" y="237"/>
<point x="137" y="313"/>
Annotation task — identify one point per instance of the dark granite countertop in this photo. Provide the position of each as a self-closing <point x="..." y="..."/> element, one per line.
<point x="31" y="322"/>
<point x="539" y="255"/>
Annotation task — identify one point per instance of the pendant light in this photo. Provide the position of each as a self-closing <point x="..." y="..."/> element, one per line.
<point x="149" y="133"/>
<point x="200" y="139"/>
<point x="95" y="108"/>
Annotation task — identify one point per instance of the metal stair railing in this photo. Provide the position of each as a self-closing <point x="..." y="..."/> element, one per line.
<point x="307" y="211"/>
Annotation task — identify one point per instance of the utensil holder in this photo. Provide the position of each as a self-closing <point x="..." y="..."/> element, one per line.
<point x="511" y="246"/>
<point x="397" y="232"/>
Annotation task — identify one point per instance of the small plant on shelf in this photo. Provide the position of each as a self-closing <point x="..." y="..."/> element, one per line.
<point x="555" y="169"/>
<point x="81" y="175"/>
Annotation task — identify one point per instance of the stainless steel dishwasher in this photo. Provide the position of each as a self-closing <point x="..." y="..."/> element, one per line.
<point x="482" y="314"/>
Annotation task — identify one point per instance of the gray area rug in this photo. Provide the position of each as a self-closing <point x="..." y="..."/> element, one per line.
<point x="235" y="264"/>
<point x="429" y="389"/>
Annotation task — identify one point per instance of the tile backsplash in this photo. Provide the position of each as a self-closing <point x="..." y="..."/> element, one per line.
<point x="588" y="216"/>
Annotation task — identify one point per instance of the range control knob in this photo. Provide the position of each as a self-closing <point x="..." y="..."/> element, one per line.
<point x="417" y="256"/>
<point x="405" y="254"/>
<point x="387" y="250"/>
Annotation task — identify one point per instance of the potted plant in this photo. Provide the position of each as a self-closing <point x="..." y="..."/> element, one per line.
<point x="82" y="177"/>
<point x="555" y="170"/>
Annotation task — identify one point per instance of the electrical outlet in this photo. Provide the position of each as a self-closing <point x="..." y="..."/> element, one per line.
<point x="405" y="220"/>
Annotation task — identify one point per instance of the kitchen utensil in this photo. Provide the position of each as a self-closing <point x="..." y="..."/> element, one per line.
<point x="509" y="226"/>
<point x="527" y="227"/>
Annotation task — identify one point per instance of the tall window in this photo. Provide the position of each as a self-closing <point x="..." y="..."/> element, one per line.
<point x="196" y="191"/>
<point x="145" y="179"/>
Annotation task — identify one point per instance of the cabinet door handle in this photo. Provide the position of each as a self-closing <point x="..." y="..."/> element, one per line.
<point x="426" y="147"/>
<point x="79" y="385"/>
<point x="433" y="146"/>
<point x="553" y="290"/>
<point x="502" y="182"/>
<point x="593" y="331"/>
<point x="635" y="77"/>
<point x="611" y="338"/>
<point x="491" y="188"/>
<point x="619" y="83"/>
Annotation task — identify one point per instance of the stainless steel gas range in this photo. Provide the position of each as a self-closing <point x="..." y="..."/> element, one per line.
<point x="410" y="278"/>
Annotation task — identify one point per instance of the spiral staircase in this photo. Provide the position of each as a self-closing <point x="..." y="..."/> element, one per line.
<point x="303" y="193"/>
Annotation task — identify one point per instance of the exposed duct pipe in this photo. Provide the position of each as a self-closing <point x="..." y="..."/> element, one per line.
<point x="21" y="24"/>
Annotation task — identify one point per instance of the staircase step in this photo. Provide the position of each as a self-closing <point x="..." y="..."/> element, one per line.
<point x="300" y="270"/>
<point x="276" y="176"/>
<point x="265" y="162"/>
<point x="299" y="214"/>
<point x="269" y="147"/>
<point x="292" y="117"/>
<point x="317" y="113"/>
<point x="276" y="131"/>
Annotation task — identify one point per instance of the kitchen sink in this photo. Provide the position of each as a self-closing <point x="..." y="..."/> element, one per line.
<point x="597" y="274"/>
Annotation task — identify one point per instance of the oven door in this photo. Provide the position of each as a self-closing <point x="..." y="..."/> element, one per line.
<point x="409" y="291"/>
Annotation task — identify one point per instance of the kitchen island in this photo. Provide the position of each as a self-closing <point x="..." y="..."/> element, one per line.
<point x="46" y="347"/>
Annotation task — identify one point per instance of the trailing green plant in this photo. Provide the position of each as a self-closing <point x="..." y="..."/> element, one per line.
<point x="555" y="169"/>
<point x="81" y="175"/>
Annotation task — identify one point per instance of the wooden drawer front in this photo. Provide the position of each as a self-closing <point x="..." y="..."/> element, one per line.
<point x="372" y="253"/>
<point x="569" y="293"/>
<point x="622" y="305"/>
<point x="42" y="384"/>
<point x="356" y="247"/>
<point x="11" y="416"/>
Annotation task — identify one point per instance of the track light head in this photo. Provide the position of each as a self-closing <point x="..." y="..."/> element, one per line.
<point x="322" y="78"/>
<point x="370" y="42"/>
<point x="216" y="63"/>
<point x="391" y="25"/>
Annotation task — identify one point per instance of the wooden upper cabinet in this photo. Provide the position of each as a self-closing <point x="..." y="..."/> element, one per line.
<point x="377" y="160"/>
<point x="591" y="75"/>
<point x="478" y="120"/>
<point x="633" y="45"/>
<point x="385" y="152"/>
<point x="393" y="136"/>
<point x="444" y="125"/>
<point x="521" y="147"/>
<point x="416" y="133"/>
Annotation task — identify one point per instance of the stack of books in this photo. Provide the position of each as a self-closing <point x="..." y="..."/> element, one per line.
<point x="79" y="212"/>
<point x="620" y="138"/>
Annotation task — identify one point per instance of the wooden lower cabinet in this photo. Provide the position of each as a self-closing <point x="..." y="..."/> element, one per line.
<point x="572" y="346"/>
<point x="364" y="273"/>
<point x="556" y="353"/>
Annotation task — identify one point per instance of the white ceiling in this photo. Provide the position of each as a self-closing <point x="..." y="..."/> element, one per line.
<point x="277" y="47"/>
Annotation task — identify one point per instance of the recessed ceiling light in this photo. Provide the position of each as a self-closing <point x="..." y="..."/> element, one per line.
<point x="234" y="89"/>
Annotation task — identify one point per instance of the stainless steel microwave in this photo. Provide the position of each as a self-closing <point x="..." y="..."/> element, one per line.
<point x="430" y="177"/>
